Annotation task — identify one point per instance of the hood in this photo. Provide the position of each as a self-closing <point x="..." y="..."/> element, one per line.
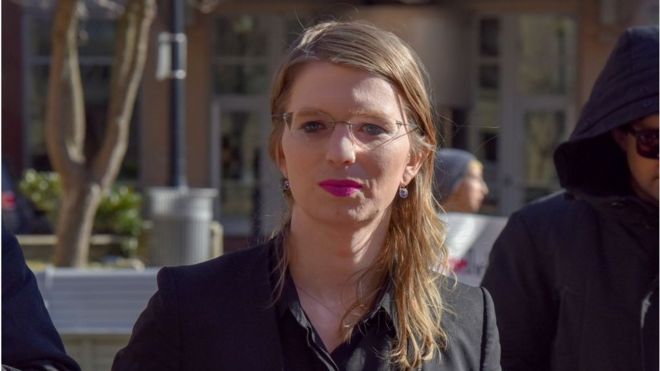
<point x="590" y="162"/>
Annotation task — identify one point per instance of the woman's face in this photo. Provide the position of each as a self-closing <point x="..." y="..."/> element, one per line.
<point x="337" y="179"/>
<point x="472" y="189"/>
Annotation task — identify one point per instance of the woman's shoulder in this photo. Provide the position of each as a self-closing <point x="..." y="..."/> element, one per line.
<point x="209" y="313"/>
<point x="469" y="321"/>
<point x="469" y="311"/>
<point x="241" y="267"/>
<point x="230" y="261"/>
<point x="465" y="303"/>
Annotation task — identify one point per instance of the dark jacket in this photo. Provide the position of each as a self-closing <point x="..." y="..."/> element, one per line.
<point x="29" y="339"/>
<point x="572" y="275"/>
<point x="218" y="315"/>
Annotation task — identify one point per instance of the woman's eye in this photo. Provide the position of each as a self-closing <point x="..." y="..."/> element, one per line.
<point x="373" y="129"/>
<point x="313" y="126"/>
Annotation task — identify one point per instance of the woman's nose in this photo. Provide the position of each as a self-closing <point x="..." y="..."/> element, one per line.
<point x="341" y="146"/>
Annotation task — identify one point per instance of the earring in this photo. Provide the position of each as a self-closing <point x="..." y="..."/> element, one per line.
<point x="285" y="185"/>
<point x="403" y="192"/>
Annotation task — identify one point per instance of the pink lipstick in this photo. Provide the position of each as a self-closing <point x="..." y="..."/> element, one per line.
<point x="340" y="188"/>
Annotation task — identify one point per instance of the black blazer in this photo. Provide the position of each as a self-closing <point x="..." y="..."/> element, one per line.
<point x="217" y="315"/>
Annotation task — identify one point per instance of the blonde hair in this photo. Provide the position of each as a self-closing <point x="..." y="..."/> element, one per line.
<point x="414" y="245"/>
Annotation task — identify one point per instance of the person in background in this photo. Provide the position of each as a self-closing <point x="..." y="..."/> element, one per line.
<point x="574" y="276"/>
<point x="459" y="183"/>
<point x="347" y="283"/>
<point x="460" y="188"/>
<point x="29" y="339"/>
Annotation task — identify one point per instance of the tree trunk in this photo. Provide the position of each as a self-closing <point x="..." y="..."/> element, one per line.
<point x="85" y="180"/>
<point x="74" y="226"/>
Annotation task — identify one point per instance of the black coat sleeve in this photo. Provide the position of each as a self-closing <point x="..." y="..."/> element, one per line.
<point x="29" y="339"/>
<point x="518" y="278"/>
<point x="155" y="343"/>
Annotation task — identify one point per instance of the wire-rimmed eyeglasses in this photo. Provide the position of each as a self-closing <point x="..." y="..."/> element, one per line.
<point x="646" y="141"/>
<point x="366" y="131"/>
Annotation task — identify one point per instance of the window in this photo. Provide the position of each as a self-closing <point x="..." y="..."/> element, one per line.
<point x="524" y="83"/>
<point x="246" y="51"/>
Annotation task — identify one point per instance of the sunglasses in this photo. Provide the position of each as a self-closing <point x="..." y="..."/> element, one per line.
<point x="647" y="141"/>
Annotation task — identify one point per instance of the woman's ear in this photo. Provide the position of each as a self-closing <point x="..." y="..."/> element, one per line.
<point x="280" y="160"/>
<point x="281" y="164"/>
<point x="415" y="162"/>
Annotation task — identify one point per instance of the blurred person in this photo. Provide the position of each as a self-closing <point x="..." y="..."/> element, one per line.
<point x="459" y="183"/>
<point x="460" y="188"/>
<point x="574" y="276"/>
<point x="346" y="282"/>
<point x="29" y="339"/>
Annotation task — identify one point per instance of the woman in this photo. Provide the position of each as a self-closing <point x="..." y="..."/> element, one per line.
<point x="348" y="281"/>
<point x="459" y="184"/>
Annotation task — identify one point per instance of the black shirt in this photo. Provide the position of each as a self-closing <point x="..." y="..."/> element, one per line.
<point x="303" y="349"/>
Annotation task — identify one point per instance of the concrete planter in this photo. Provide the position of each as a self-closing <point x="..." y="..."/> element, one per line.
<point x="39" y="247"/>
<point x="94" y="310"/>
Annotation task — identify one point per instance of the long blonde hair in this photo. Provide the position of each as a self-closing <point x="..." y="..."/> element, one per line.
<point x="414" y="245"/>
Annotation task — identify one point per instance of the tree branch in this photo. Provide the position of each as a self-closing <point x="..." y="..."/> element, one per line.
<point x="130" y="57"/>
<point x="65" y="111"/>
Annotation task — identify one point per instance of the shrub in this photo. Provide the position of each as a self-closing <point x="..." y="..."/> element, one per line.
<point x="118" y="212"/>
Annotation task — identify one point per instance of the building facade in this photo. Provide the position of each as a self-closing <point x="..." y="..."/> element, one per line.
<point x="508" y="80"/>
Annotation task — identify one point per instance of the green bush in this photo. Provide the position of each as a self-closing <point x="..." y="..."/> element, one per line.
<point x="118" y="212"/>
<point x="43" y="189"/>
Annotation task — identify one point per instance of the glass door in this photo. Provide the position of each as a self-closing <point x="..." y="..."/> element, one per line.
<point x="524" y="103"/>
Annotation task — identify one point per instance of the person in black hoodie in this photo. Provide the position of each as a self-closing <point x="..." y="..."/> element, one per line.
<point x="574" y="276"/>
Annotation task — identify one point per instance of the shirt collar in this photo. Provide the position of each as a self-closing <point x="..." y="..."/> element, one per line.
<point x="290" y="302"/>
<point x="385" y="306"/>
<point x="384" y="310"/>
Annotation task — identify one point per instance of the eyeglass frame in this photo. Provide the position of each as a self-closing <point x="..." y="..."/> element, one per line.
<point x="637" y="133"/>
<point x="288" y="116"/>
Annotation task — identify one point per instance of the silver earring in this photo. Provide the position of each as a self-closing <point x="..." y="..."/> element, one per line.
<point x="285" y="185"/>
<point x="403" y="192"/>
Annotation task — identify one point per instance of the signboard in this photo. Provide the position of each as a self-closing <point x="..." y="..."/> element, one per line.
<point x="470" y="238"/>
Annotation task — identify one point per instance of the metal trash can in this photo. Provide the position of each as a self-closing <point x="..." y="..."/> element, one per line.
<point x="181" y="225"/>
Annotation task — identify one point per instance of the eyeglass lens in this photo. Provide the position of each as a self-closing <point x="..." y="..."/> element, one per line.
<point x="647" y="142"/>
<point x="366" y="131"/>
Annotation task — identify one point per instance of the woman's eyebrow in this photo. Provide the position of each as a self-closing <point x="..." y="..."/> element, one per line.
<point x="308" y="111"/>
<point x="369" y="112"/>
<point x="311" y="111"/>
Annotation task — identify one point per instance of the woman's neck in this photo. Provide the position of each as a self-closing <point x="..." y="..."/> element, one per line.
<point x="327" y="261"/>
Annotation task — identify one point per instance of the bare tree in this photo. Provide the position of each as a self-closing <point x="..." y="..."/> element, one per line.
<point x="84" y="180"/>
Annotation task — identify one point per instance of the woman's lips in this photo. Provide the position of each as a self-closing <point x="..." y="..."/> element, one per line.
<point x="340" y="188"/>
